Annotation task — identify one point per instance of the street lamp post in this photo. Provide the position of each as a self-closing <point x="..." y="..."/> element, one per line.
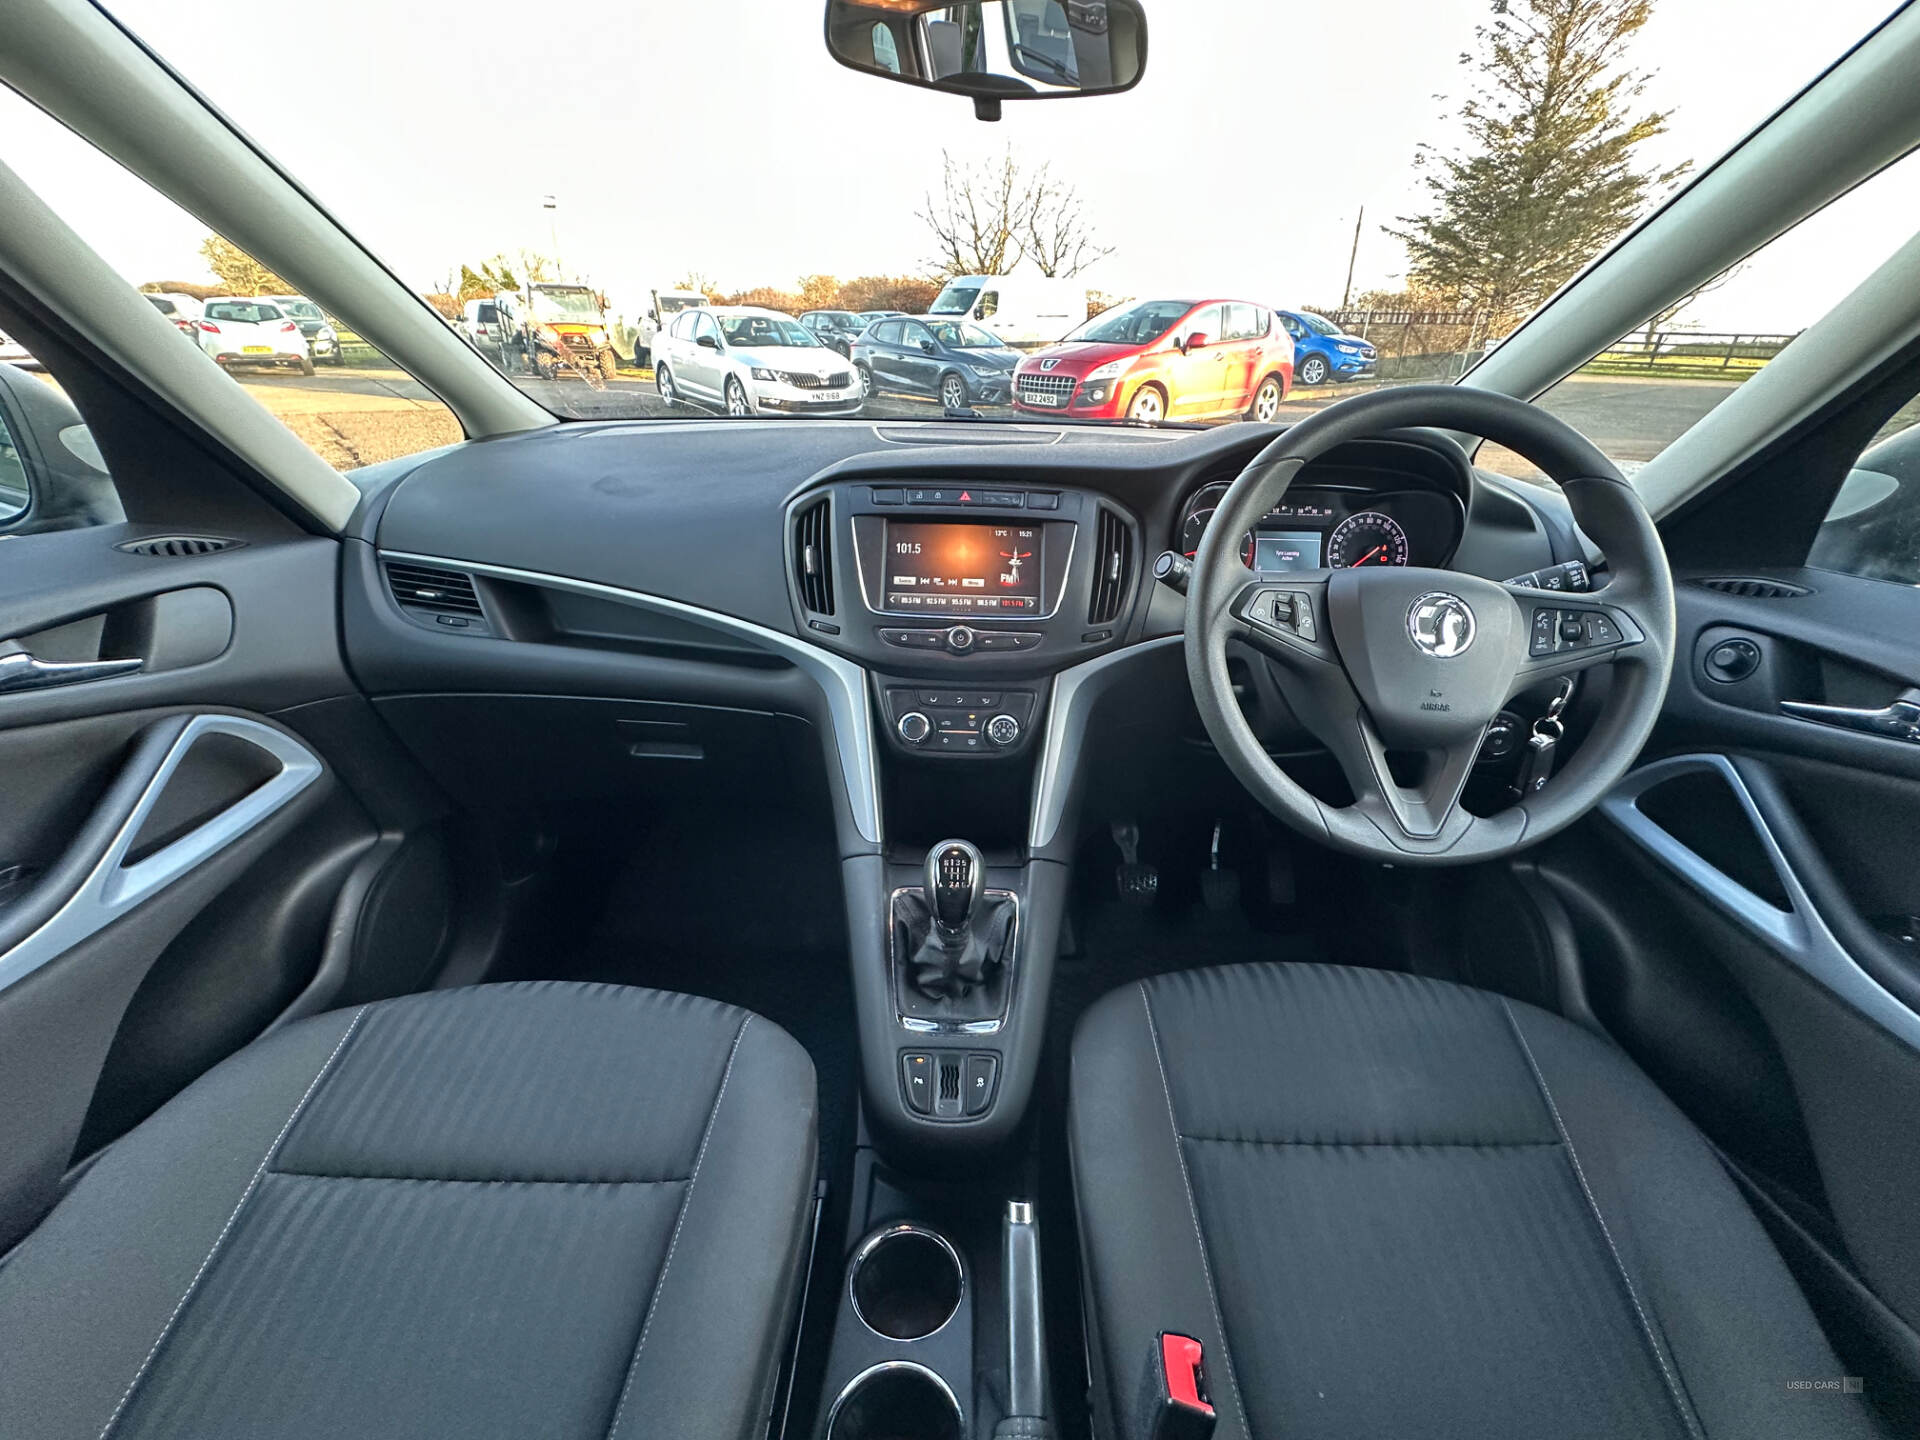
<point x="552" y="207"/>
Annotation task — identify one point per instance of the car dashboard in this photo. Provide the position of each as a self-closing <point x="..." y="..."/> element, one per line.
<point x="949" y="604"/>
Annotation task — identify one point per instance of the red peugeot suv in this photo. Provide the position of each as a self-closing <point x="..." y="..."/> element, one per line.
<point x="1157" y="360"/>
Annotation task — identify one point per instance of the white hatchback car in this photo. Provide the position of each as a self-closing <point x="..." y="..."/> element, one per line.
<point x="253" y="332"/>
<point x="752" y="362"/>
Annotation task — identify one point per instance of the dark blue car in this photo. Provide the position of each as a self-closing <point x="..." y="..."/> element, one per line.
<point x="952" y="361"/>
<point x="1322" y="351"/>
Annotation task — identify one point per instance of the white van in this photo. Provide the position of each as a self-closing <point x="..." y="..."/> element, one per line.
<point x="1020" y="309"/>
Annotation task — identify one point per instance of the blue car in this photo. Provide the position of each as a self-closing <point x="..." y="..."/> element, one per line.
<point x="1322" y="351"/>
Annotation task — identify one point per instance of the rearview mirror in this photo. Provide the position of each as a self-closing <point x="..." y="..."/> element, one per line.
<point x="994" y="50"/>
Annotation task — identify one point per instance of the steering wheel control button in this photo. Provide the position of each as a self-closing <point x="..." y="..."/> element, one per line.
<point x="960" y="639"/>
<point x="915" y="727"/>
<point x="1003" y="730"/>
<point x="1440" y="624"/>
<point x="1732" y="661"/>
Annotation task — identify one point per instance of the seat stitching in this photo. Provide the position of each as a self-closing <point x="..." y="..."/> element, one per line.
<point x="471" y="1179"/>
<point x="1193" y="1210"/>
<point x="1378" y="1144"/>
<point x="686" y="1196"/>
<point x="193" y="1285"/>
<point x="1687" y="1417"/>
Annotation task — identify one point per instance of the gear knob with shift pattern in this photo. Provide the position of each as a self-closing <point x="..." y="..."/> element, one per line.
<point x="956" y="878"/>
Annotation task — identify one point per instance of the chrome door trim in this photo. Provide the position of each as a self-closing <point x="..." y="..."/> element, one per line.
<point x="1797" y="935"/>
<point x="843" y="683"/>
<point x="112" y="889"/>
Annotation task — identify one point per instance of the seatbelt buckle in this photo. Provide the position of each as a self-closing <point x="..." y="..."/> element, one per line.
<point x="1178" y="1404"/>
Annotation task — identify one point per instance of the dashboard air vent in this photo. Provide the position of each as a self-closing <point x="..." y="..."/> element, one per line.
<point x="176" y="546"/>
<point x="813" y="556"/>
<point x="1753" y="588"/>
<point x="1112" y="557"/>
<point x="427" y="587"/>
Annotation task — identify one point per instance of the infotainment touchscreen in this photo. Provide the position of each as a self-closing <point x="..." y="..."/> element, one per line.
<point x="963" y="567"/>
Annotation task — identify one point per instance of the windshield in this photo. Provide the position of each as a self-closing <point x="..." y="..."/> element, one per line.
<point x="1470" y="159"/>
<point x="1140" y="324"/>
<point x="955" y="300"/>
<point x="964" y="337"/>
<point x="302" y="310"/>
<point x="565" y="305"/>
<point x="241" y="313"/>
<point x="165" y="307"/>
<point x="761" y="331"/>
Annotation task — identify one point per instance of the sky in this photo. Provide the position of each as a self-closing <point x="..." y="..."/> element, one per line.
<point x="720" y="137"/>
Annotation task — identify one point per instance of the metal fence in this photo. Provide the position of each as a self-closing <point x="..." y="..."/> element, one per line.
<point x="1445" y="344"/>
<point x="1688" y="354"/>
<point x="1418" y="344"/>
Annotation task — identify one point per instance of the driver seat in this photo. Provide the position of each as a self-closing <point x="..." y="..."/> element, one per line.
<point x="1392" y="1206"/>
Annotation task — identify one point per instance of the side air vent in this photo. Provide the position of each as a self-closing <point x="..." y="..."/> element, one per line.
<point x="813" y="556"/>
<point x="436" y="591"/>
<point x="176" y="546"/>
<point x="1112" y="557"/>
<point x="1753" y="589"/>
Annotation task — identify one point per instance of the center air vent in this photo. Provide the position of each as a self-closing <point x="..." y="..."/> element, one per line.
<point x="1753" y="588"/>
<point x="435" y="591"/>
<point x="1112" y="557"/>
<point x="813" y="556"/>
<point x="176" y="546"/>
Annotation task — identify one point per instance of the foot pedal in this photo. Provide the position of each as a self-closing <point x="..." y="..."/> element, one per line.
<point x="1138" y="884"/>
<point x="1219" y="887"/>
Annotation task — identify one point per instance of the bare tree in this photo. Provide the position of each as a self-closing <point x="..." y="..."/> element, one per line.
<point x="1056" y="235"/>
<point x="989" y="218"/>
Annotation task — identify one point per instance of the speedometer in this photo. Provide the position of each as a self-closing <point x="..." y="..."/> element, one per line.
<point x="1368" y="538"/>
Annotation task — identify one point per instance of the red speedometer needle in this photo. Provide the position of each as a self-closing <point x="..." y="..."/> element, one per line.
<point x="1369" y="555"/>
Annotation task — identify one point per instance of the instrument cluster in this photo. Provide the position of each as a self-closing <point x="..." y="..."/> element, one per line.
<point x="1336" y="528"/>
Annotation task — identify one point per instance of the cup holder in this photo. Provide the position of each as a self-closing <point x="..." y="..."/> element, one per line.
<point x="896" y="1401"/>
<point x="906" y="1283"/>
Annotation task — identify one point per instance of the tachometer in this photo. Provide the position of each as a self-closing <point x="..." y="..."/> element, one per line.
<point x="1368" y="538"/>
<point x="1193" y="525"/>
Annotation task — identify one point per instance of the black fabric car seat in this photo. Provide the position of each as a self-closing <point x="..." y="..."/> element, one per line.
<point x="514" y="1210"/>
<point x="1390" y="1206"/>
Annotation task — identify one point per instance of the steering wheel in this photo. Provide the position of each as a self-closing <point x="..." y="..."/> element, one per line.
<point x="1420" y="661"/>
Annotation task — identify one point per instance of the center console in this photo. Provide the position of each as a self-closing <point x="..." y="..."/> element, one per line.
<point x="963" y="601"/>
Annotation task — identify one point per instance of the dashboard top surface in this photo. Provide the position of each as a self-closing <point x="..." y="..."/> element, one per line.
<point x="695" y="511"/>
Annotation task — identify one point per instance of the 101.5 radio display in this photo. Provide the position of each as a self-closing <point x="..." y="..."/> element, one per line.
<point x="963" y="568"/>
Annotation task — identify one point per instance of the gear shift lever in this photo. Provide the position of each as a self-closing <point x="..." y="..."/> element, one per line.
<point x="956" y="877"/>
<point x="954" y="938"/>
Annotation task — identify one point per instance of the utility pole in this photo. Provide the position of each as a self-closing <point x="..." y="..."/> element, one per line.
<point x="552" y="206"/>
<point x="1353" y="255"/>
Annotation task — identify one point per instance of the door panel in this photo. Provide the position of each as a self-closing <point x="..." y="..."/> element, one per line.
<point x="1757" y="874"/>
<point x="172" y="856"/>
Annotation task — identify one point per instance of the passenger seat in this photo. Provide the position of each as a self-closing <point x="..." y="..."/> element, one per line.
<point x="545" y="1210"/>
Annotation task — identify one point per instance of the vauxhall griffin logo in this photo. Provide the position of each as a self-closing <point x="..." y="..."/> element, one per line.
<point x="1440" y="624"/>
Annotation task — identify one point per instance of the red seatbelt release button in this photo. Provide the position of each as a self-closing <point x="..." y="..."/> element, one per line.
<point x="1183" y="1409"/>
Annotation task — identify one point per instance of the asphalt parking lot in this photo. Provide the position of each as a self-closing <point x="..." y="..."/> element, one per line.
<point x="360" y="416"/>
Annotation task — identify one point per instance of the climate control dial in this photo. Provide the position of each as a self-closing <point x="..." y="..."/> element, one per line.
<point x="1003" y="730"/>
<point x="914" y="728"/>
